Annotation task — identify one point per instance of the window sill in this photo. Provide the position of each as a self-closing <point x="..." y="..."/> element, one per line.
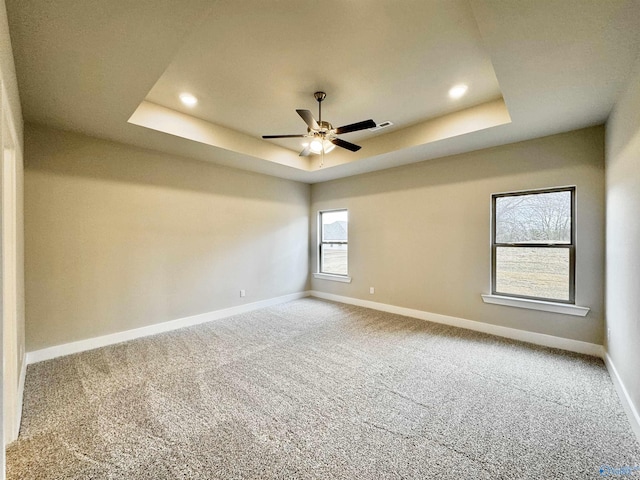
<point x="333" y="278"/>
<point x="553" y="307"/>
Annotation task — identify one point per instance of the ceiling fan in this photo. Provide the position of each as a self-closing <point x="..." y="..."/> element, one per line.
<point x="322" y="133"/>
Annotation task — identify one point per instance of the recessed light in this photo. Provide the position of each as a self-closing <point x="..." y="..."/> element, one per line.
<point x="188" y="99"/>
<point x="458" y="91"/>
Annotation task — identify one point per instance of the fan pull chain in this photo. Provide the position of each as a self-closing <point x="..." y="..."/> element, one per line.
<point x="323" y="137"/>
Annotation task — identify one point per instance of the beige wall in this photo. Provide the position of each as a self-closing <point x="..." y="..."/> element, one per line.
<point x="119" y="237"/>
<point x="623" y="237"/>
<point x="419" y="234"/>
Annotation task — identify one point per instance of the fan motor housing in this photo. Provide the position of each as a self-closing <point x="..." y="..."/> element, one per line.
<point x="325" y="128"/>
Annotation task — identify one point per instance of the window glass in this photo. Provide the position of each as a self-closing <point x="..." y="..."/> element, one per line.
<point x="334" y="259"/>
<point x="334" y="226"/>
<point x="533" y="272"/>
<point x="534" y="218"/>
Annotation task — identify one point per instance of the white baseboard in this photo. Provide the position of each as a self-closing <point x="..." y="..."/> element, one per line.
<point x="625" y="398"/>
<point x="512" y="333"/>
<point x="119" y="337"/>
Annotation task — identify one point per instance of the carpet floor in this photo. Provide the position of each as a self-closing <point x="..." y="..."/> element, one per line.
<point x="319" y="390"/>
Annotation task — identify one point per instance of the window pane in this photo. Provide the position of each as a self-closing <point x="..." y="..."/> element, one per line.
<point x="534" y="218"/>
<point x="533" y="272"/>
<point x="333" y="259"/>
<point x="334" y="226"/>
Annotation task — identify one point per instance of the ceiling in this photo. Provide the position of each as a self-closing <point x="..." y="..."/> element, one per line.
<point x="115" y="70"/>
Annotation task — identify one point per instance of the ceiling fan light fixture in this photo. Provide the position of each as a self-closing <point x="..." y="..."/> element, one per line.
<point x="322" y="134"/>
<point x="328" y="146"/>
<point x="320" y="146"/>
<point x="316" y="145"/>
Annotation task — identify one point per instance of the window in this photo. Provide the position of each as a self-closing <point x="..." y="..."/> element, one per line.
<point x="533" y="244"/>
<point x="333" y="246"/>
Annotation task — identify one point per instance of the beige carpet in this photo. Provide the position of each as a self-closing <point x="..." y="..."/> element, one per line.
<point x="313" y="389"/>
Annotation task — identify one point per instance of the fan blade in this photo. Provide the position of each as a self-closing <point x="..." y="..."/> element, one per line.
<point x="354" y="127"/>
<point x="348" y="145"/>
<point x="307" y="116"/>
<point x="305" y="152"/>
<point x="283" y="136"/>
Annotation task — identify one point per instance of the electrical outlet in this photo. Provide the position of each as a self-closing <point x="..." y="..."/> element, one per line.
<point x="608" y="333"/>
<point x="243" y="293"/>
<point x="372" y="290"/>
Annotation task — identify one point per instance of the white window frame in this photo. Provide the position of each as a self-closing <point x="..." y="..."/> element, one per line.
<point x="336" y="277"/>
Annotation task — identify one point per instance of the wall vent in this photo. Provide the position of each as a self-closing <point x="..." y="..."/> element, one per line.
<point x="380" y="126"/>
